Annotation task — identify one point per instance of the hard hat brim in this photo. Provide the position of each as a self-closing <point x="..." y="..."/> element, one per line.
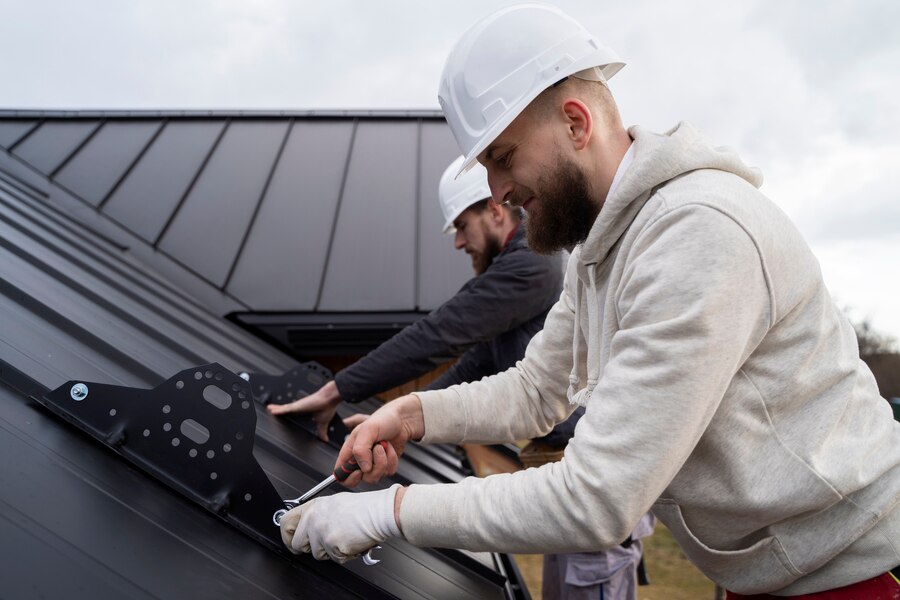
<point x="608" y="69"/>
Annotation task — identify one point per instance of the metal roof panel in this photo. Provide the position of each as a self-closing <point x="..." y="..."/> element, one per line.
<point x="145" y="200"/>
<point x="219" y="206"/>
<point x="78" y="307"/>
<point x="12" y="131"/>
<point x="48" y="146"/>
<point x="373" y="255"/>
<point x="96" y="168"/>
<point x="282" y="263"/>
<point x="442" y="268"/>
<point x="240" y="227"/>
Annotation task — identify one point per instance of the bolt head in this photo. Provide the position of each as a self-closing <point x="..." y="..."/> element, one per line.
<point x="79" y="392"/>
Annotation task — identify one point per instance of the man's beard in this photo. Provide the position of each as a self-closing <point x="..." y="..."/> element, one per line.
<point x="482" y="260"/>
<point x="562" y="212"/>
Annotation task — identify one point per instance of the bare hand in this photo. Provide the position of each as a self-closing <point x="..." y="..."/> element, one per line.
<point x="322" y="404"/>
<point x="397" y="422"/>
<point x="353" y="420"/>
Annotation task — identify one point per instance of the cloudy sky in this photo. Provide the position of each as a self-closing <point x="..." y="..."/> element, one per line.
<point x="808" y="90"/>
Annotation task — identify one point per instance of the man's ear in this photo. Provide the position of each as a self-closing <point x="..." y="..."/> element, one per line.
<point x="579" y="121"/>
<point x="497" y="212"/>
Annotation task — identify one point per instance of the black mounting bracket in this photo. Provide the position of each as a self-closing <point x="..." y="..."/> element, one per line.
<point x="300" y="381"/>
<point x="194" y="432"/>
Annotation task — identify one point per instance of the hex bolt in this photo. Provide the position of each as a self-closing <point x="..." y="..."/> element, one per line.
<point x="79" y="392"/>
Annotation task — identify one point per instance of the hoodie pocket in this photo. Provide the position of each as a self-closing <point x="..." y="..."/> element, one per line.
<point x="757" y="568"/>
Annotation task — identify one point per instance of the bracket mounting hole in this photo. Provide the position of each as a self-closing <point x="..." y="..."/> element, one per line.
<point x="194" y="431"/>
<point x="217" y="397"/>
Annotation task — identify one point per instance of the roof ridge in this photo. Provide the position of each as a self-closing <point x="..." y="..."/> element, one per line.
<point x="221" y="113"/>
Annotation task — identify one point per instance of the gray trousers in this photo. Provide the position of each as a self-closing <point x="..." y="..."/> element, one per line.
<point x="606" y="575"/>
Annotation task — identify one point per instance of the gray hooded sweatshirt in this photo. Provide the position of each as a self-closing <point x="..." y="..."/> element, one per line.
<point x="723" y="389"/>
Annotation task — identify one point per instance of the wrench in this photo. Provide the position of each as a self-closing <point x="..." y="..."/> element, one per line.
<point x="340" y="473"/>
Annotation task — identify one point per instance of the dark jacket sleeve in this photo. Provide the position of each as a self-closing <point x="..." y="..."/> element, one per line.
<point x="476" y="363"/>
<point x="517" y="286"/>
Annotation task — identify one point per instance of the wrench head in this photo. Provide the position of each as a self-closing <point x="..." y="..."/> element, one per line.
<point x="367" y="557"/>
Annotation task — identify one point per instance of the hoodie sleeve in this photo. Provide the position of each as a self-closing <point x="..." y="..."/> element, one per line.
<point x="692" y="304"/>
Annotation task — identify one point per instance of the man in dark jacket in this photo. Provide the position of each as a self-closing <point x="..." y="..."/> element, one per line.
<point x="487" y="323"/>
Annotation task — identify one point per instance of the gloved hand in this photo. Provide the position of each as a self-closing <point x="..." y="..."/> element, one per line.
<point x="342" y="526"/>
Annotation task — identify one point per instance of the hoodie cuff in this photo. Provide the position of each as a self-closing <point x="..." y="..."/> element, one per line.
<point x="445" y="416"/>
<point x="428" y="515"/>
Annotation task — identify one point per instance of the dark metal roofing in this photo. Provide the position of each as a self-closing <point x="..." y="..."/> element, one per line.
<point x="78" y="520"/>
<point x="258" y="211"/>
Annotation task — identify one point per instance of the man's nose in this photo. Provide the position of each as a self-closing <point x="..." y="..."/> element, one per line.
<point x="501" y="188"/>
<point x="459" y="241"/>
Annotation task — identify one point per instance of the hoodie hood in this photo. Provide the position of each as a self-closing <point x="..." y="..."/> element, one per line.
<point x="658" y="158"/>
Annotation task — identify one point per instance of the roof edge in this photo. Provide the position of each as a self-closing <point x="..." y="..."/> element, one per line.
<point x="222" y="113"/>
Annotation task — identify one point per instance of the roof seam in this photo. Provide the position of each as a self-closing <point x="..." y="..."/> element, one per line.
<point x="191" y="185"/>
<point x="25" y="136"/>
<point x="133" y="164"/>
<point x="337" y="212"/>
<point x="127" y="286"/>
<point x="77" y="149"/>
<point x="119" y="246"/>
<point x="137" y="287"/>
<point x="259" y="203"/>
<point x="20" y="184"/>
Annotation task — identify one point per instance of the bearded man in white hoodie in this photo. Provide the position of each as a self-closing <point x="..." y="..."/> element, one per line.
<point x="723" y="388"/>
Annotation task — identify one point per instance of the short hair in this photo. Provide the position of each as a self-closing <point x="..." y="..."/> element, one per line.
<point x="594" y="93"/>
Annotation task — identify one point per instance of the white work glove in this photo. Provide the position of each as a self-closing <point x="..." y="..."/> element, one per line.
<point x="342" y="526"/>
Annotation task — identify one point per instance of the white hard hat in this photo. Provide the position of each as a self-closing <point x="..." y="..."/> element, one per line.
<point x="459" y="193"/>
<point x="504" y="61"/>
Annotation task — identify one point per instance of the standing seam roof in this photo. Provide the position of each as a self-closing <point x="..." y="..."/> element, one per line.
<point x="243" y="202"/>
<point x="79" y="306"/>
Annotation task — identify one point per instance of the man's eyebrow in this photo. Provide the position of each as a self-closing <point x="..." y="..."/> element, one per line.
<point x="491" y="150"/>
